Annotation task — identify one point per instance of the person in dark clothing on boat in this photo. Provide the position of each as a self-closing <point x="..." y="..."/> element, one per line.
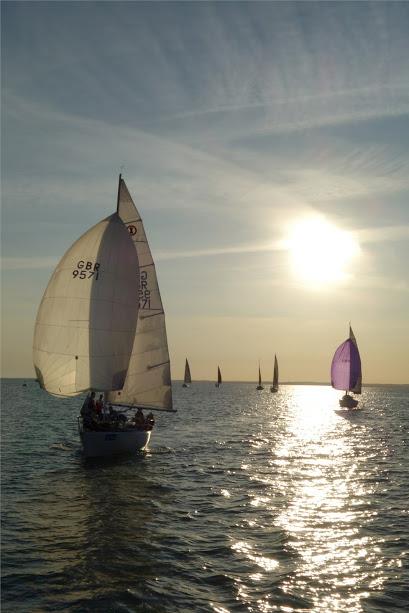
<point x="149" y="421"/>
<point x="88" y="410"/>
<point x="139" y="419"/>
<point x="99" y="405"/>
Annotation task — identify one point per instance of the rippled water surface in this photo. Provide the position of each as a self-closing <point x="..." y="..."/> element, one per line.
<point x="246" y="501"/>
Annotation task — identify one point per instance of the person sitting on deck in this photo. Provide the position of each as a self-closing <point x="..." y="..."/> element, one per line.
<point x="150" y="421"/>
<point x="139" y="419"/>
<point x="99" y="405"/>
<point x="88" y="410"/>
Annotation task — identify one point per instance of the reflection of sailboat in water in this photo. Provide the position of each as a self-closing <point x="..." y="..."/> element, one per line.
<point x="101" y="327"/>
<point x="219" y="377"/>
<point x="259" y="386"/>
<point x="274" y="387"/>
<point x="346" y="373"/>
<point x="187" y="380"/>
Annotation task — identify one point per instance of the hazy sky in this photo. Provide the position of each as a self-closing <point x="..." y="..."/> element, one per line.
<point x="231" y="122"/>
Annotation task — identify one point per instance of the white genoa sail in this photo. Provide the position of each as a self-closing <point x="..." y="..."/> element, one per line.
<point x="148" y="381"/>
<point x="87" y="318"/>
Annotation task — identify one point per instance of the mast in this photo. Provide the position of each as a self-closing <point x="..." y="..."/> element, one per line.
<point x="119" y="191"/>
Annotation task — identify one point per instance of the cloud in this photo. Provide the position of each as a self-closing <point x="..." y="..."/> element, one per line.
<point x="384" y="234"/>
<point x="30" y="263"/>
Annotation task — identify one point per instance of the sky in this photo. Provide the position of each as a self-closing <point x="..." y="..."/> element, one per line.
<point x="243" y="130"/>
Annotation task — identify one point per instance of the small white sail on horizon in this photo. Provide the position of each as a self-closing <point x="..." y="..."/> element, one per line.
<point x="219" y="377"/>
<point x="187" y="379"/>
<point x="259" y="386"/>
<point x="274" y="387"/>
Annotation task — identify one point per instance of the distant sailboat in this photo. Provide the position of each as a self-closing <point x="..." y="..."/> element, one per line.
<point x="187" y="379"/>
<point x="346" y="371"/>
<point x="100" y="326"/>
<point x="274" y="387"/>
<point x="259" y="386"/>
<point x="219" y="378"/>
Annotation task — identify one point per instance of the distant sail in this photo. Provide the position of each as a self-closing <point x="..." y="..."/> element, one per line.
<point x="346" y="367"/>
<point x="219" y="377"/>
<point x="358" y="387"/>
<point x="187" y="378"/>
<point x="259" y="386"/>
<point x="87" y="318"/>
<point x="275" y="375"/>
<point x="148" y="382"/>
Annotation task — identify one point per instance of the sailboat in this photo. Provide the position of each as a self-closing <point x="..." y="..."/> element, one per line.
<point x="274" y="387"/>
<point x="346" y="373"/>
<point x="187" y="380"/>
<point x="259" y="386"/>
<point x="101" y="327"/>
<point x="219" y="377"/>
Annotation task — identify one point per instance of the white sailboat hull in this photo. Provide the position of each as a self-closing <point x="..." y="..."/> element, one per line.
<point x="100" y="444"/>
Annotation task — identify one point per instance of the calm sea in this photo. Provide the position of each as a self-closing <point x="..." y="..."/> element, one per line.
<point x="246" y="501"/>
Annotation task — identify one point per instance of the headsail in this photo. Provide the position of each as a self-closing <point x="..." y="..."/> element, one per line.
<point x="346" y="366"/>
<point x="148" y="381"/>
<point x="87" y="318"/>
<point x="358" y="386"/>
<point x="187" y="378"/>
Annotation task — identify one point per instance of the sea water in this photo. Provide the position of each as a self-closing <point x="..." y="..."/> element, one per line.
<point x="245" y="501"/>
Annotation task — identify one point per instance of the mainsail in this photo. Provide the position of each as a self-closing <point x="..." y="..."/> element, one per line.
<point x="346" y="366"/>
<point x="358" y="386"/>
<point x="87" y="318"/>
<point x="148" y="381"/>
<point x="187" y="378"/>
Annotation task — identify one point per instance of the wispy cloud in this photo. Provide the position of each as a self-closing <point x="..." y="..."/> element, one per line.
<point x="383" y="234"/>
<point x="33" y="263"/>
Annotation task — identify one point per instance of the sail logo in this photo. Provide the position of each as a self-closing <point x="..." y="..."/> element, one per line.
<point x="132" y="230"/>
<point x="86" y="270"/>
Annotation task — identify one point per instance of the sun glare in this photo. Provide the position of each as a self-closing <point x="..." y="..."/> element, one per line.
<point x="320" y="251"/>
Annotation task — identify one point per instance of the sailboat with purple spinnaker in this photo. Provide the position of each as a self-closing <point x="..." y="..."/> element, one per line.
<point x="346" y="373"/>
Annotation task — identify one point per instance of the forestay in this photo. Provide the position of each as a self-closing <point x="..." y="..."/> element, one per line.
<point x="87" y="318"/>
<point x="148" y="381"/>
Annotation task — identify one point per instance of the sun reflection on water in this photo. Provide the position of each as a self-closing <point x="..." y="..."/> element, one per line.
<point x="320" y="471"/>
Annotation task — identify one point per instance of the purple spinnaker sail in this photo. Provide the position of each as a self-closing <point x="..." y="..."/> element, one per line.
<point x="346" y="366"/>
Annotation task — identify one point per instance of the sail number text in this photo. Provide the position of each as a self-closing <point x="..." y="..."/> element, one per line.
<point x="144" y="292"/>
<point x="86" y="270"/>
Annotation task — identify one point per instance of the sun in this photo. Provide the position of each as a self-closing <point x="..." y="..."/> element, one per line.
<point x="320" y="252"/>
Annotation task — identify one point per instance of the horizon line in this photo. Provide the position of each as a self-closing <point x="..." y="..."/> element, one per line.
<point x="239" y="381"/>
